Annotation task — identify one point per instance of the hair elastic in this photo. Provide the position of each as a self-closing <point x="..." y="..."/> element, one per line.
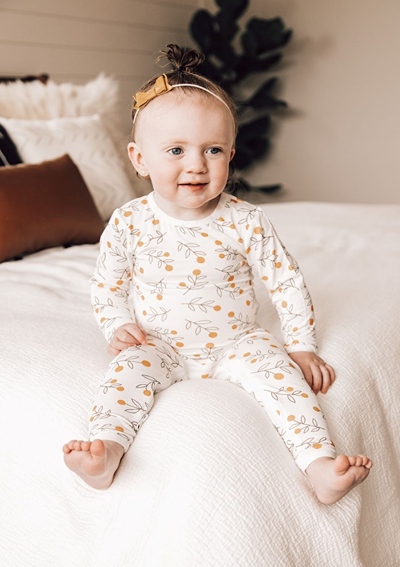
<point x="162" y="86"/>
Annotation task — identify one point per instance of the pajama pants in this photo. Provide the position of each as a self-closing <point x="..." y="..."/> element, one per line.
<point x="257" y="363"/>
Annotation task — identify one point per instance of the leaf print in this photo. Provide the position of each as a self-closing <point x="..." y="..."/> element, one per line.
<point x="198" y="303"/>
<point x="99" y="414"/>
<point x="152" y="219"/>
<point x="112" y="384"/>
<point x="169" y="336"/>
<point x="268" y="258"/>
<point x="161" y="258"/>
<point x="238" y="322"/>
<point x="227" y="252"/>
<point x="257" y="243"/>
<point x="156" y="238"/>
<point x="195" y="283"/>
<point x="301" y="426"/>
<point x="148" y="387"/>
<point x="218" y="226"/>
<point x="101" y="261"/>
<point x="122" y="273"/>
<point x="116" y="252"/>
<point x="134" y="407"/>
<point x="168" y="358"/>
<point x="190" y="249"/>
<point x="287" y="286"/>
<point x="118" y="232"/>
<point x="232" y="291"/>
<point x="250" y="214"/>
<point x="163" y="314"/>
<point x="193" y="231"/>
<point x="159" y="287"/>
<point x="201" y="326"/>
<point x="211" y="352"/>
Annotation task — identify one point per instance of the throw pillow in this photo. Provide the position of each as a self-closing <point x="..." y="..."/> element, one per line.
<point x="44" y="205"/>
<point x="90" y="146"/>
<point x="8" y="152"/>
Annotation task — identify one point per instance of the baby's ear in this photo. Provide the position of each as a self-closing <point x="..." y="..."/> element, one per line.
<point x="233" y="151"/>
<point x="135" y="157"/>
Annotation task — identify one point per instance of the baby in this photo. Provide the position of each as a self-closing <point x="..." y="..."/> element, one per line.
<point x="173" y="290"/>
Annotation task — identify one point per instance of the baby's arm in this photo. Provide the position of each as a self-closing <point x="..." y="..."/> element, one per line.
<point x="126" y="336"/>
<point x="112" y="279"/>
<point x="319" y="375"/>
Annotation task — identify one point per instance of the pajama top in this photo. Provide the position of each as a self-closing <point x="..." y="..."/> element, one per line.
<point x="191" y="283"/>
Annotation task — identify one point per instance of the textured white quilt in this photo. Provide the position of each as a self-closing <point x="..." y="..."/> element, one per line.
<point x="208" y="482"/>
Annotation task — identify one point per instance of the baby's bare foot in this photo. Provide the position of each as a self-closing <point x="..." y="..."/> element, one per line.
<point x="333" y="478"/>
<point x="95" y="462"/>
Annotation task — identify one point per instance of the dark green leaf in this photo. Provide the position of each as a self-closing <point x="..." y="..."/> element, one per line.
<point x="250" y="45"/>
<point x="234" y="7"/>
<point x="263" y="97"/>
<point x="243" y="158"/>
<point x="266" y="63"/>
<point x="227" y="26"/>
<point x="253" y="150"/>
<point x="258" y="147"/>
<point x="268" y="34"/>
<point x="268" y="188"/>
<point x="202" y="29"/>
<point x="226" y="54"/>
<point x="240" y="186"/>
<point x="254" y="129"/>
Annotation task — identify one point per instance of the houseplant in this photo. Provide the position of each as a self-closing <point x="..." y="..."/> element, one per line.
<point x="233" y="57"/>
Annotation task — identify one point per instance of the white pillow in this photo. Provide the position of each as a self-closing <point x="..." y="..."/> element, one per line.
<point x="39" y="101"/>
<point x="89" y="145"/>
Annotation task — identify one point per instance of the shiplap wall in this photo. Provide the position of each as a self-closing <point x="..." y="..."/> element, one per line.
<point x="339" y="77"/>
<point x="75" y="40"/>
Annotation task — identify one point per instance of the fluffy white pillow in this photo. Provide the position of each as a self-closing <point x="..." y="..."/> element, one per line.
<point x="89" y="145"/>
<point x="36" y="100"/>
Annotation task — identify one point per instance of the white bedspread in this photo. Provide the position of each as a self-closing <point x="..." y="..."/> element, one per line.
<point x="208" y="482"/>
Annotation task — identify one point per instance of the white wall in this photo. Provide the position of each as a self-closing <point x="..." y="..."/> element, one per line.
<point x="341" y="77"/>
<point x="75" y="40"/>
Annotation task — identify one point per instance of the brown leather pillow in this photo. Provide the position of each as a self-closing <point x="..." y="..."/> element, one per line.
<point x="44" y="205"/>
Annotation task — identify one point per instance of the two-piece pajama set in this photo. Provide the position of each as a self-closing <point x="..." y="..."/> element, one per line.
<point x="190" y="286"/>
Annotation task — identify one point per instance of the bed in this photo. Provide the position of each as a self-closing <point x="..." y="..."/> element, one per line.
<point x="208" y="482"/>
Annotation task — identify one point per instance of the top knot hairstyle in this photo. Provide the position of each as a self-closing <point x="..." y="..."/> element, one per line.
<point x="184" y="62"/>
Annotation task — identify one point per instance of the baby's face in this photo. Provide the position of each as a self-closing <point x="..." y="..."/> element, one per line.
<point x="184" y="142"/>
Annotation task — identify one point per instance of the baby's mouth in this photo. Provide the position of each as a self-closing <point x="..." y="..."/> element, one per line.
<point x="193" y="186"/>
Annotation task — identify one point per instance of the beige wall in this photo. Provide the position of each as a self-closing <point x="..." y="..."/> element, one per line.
<point x="341" y="77"/>
<point x="75" y="40"/>
<point x="342" y="80"/>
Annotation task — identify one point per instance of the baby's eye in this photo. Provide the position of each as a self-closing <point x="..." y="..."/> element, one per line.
<point x="175" y="151"/>
<point x="213" y="150"/>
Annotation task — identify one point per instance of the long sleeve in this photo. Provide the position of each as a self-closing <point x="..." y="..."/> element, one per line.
<point x="112" y="277"/>
<point x="284" y="282"/>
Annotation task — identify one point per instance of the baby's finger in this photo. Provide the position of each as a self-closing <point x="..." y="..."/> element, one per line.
<point x="140" y="336"/>
<point x="331" y="372"/>
<point x="125" y="337"/>
<point x="316" y="377"/>
<point x="113" y="351"/>
<point x="326" y="378"/>
<point x="131" y="334"/>
<point x="308" y="376"/>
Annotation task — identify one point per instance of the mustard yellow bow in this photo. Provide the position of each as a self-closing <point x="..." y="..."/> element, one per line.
<point x="160" y="87"/>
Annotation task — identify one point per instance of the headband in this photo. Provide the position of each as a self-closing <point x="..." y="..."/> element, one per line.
<point x="162" y="86"/>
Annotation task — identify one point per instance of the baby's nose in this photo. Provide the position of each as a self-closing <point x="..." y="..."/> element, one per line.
<point x="196" y="163"/>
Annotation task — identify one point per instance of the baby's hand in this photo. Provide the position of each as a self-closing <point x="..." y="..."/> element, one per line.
<point x="318" y="374"/>
<point x="126" y="336"/>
